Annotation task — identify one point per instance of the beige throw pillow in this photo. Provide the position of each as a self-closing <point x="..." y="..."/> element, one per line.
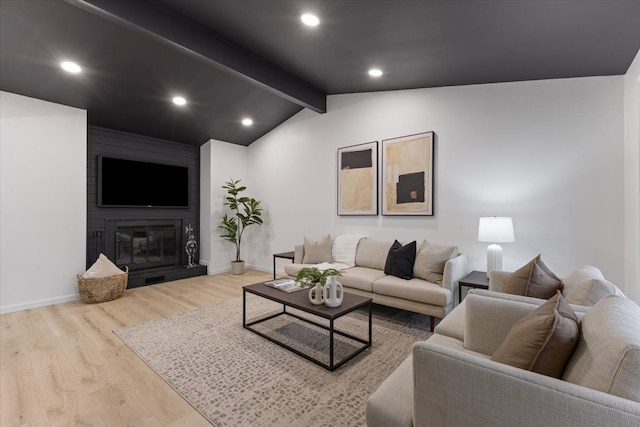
<point x="543" y="341"/>
<point x="317" y="251"/>
<point x="103" y="267"/>
<point x="430" y="261"/>
<point x="534" y="279"/>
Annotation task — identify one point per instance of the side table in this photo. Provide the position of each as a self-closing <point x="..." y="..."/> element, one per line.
<point x="476" y="280"/>
<point x="285" y="255"/>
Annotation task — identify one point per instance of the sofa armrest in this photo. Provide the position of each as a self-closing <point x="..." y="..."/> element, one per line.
<point x="392" y="403"/>
<point x="496" y="278"/>
<point x="298" y="254"/>
<point x="454" y="270"/>
<point x="454" y="388"/>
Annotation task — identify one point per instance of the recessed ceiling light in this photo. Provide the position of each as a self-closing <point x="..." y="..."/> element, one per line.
<point x="247" y="122"/>
<point x="310" y="20"/>
<point x="375" y="72"/>
<point x="70" y="67"/>
<point x="178" y="100"/>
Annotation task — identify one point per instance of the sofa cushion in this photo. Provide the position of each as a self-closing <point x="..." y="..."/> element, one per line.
<point x="413" y="290"/>
<point x="542" y="341"/>
<point x="317" y="251"/>
<point x="372" y="253"/>
<point x="292" y="269"/>
<point x="400" y="260"/>
<point x="534" y="279"/>
<point x="586" y="286"/>
<point x="360" y="278"/>
<point x="430" y="261"/>
<point x="607" y="357"/>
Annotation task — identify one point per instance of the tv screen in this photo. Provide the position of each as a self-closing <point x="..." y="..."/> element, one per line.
<point x="131" y="183"/>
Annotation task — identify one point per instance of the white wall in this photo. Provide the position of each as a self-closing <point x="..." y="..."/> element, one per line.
<point x="221" y="161"/>
<point x="43" y="152"/>
<point x="632" y="179"/>
<point x="548" y="153"/>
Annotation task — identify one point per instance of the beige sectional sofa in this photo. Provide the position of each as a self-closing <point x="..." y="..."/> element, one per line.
<point x="368" y="278"/>
<point x="449" y="379"/>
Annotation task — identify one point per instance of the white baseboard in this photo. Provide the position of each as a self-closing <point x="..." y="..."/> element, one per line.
<point x="39" y="303"/>
<point x="212" y="272"/>
<point x="256" y="267"/>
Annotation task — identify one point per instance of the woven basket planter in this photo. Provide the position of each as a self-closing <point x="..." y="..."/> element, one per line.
<point x="102" y="289"/>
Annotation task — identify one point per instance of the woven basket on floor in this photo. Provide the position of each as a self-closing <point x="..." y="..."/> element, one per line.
<point x="102" y="289"/>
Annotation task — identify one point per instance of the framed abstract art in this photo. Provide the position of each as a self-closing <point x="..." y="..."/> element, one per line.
<point x="358" y="179"/>
<point x="407" y="175"/>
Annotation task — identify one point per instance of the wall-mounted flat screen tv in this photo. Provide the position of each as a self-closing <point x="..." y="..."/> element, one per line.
<point x="133" y="183"/>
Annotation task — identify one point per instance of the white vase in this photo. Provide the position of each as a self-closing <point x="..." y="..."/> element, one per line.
<point x="315" y="295"/>
<point x="333" y="292"/>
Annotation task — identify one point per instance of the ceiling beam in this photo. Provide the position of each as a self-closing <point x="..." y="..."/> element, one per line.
<point x="193" y="39"/>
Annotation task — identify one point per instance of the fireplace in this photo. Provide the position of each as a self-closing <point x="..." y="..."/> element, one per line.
<point x="144" y="244"/>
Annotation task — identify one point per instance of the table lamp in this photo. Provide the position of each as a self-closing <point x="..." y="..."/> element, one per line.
<point x="494" y="230"/>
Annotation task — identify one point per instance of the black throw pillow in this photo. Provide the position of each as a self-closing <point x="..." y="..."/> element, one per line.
<point x="400" y="260"/>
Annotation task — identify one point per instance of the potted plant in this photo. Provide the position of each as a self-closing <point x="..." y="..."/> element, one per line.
<point x="317" y="294"/>
<point x="246" y="211"/>
<point x="316" y="277"/>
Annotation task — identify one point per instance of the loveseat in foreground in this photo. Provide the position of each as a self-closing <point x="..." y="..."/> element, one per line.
<point x="449" y="379"/>
<point x="368" y="278"/>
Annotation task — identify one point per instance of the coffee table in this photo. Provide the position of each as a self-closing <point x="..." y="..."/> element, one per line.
<point x="300" y="300"/>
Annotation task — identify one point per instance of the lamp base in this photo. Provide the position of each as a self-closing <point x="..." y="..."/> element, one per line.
<point x="494" y="258"/>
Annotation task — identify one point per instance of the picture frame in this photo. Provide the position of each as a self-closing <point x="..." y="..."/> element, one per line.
<point x="407" y="175"/>
<point x="357" y="178"/>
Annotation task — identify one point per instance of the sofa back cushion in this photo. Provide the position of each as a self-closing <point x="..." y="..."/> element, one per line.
<point x="586" y="286"/>
<point x="372" y="253"/>
<point x="607" y="357"/>
<point x="499" y="313"/>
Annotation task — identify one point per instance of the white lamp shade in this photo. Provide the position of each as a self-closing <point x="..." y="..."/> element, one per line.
<point x="496" y="229"/>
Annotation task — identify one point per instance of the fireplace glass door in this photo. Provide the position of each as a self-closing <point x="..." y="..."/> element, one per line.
<point x="146" y="247"/>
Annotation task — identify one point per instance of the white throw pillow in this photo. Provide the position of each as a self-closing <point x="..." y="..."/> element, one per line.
<point x="103" y="267"/>
<point x="344" y="247"/>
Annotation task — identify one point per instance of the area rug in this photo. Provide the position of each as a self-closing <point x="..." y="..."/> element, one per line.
<point x="234" y="377"/>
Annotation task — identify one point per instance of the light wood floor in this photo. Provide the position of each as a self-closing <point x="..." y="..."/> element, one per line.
<point x="61" y="365"/>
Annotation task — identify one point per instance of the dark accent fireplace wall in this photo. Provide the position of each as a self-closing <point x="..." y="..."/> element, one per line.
<point x="145" y="224"/>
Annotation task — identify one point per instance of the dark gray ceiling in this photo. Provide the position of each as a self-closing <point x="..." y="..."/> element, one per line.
<point x="237" y="58"/>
